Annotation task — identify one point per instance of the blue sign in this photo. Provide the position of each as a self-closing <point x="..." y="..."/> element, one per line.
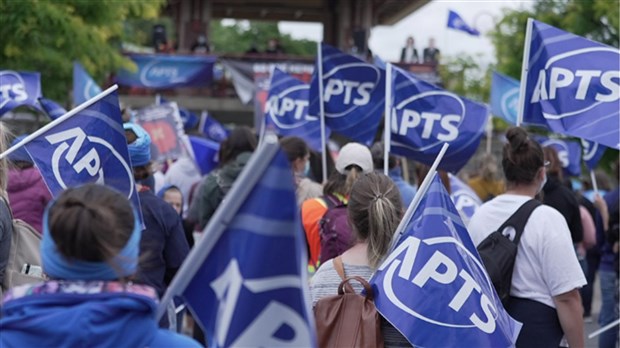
<point x="251" y="288"/>
<point x="205" y="153"/>
<point x="84" y="87"/>
<point x="353" y="95"/>
<point x="89" y="147"/>
<point x="456" y="22"/>
<point x="572" y="85"/>
<point x="211" y="128"/>
<point x="189" y="119"/>
<point x="504" y="97"/>
<point x="286" y="110"/>
<point x="19" y="88"/>
<point x="465" y="200"/>
<point x="425" y="116"/>
<point x="163" y="71"/>
<point x="433" y="286"/>
<point x="52" y="108"/>
<point x="592" y="153"/>
<point x="569" y="154"/>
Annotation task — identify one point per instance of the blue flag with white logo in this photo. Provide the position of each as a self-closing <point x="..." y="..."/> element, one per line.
<point x="205" y="153"/>
<point x="189" y="119"/>
<point x="592" y="153"/>
<point x="456" y="22"/>
<point x="161" y="71"/>
<point x="211" y="128"/>
<point x="88" y="147"/>
<point x="464" y="198"/>
<point x="425" y="116"/>
<point x="84" y="87"/>
<point x="572" y="85"/>
<point x="286" y="110"/>
<point x="53" y="109"/>
<point x="504" y="97"/>
<point x="433" y="286"/>
<point x="245" y="281"/>
<point x="353" y="95"/>
<point x="569" y="153"/>
<point x="19" y="88"/>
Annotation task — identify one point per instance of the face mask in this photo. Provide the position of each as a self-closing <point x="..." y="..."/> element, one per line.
<point x="542" y="184"/>
<point x="306" y="171"/>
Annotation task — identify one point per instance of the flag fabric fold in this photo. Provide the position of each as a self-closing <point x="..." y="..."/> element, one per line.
<point x="84" y="87"/>
<point x="465" y="199"/>
<point x="19" y="88"/>
<point x="53" y="109"/>
<point x="504" y="97"/>
<point x="205" y="153"/>
<point x="211" y="128"/>
<point x="592" y="153"/>
<point x="456" y="22"/>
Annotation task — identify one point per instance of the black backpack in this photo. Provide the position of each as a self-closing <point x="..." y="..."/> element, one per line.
<point x="498" y="252"/>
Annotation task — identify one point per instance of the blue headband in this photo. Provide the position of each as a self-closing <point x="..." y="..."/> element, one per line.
<point x="57" y="266"/>
<point x="140" y="149"/>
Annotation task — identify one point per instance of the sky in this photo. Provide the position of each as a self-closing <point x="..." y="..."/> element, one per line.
<point x="428" y="21"/>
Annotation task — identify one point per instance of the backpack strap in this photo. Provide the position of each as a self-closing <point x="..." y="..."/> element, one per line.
<point x="339" y="267"/>
<point x="519" y="219"/>
<point x="8" y="206"/>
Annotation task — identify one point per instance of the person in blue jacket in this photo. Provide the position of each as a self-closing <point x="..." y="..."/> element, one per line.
<point x="90" y="248"/>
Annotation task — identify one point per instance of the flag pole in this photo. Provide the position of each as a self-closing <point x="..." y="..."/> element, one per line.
<point x="594" y="183"/>
<point x="489" y="131"/>
<point x="524" y="69"/>
<point x="157" y="99"/>
<point x="319" y="59"/>
<point x="387" y="113"/>
<point x="61" y="119"/>
<point x="263" y="124"/>
<point x="243" y="186"/>
<point x="604" y="328"/>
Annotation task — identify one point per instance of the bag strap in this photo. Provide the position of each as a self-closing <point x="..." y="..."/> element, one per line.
<point x="8" y="206"/>
<point x="519" y="219"/>
<point x="367" y="288"/>
<point x="339" y="267"/>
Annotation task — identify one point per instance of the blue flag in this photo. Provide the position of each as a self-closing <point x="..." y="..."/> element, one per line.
<point x="89" y="147"/>
<point x="504" y="97"/>
<point x="245" y="281"/>
<point x="425" y="116"/>
<point x="162" y="71"/>
<point x="456" y="22"/>
<point x="572" y="85"/>
<point x="84" y="87"/>
<point x="17" y="89"/>
<point x="52" y="108"/>
<point x="592" y="153"/>
<point x="286" y="110"/>
<point x="569" y="153"/>
<point x="433" y="286"/>
<point x="353" y="95"/>
<point x="211" y="128"/>
<point x="464" y="198"/>
<point x="205" y="153"/>
<point x="189" y="119"/>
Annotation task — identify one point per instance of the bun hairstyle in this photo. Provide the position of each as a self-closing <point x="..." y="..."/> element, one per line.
<point x="522" y="157"/>
<point x="91" y="223"/>
<point x="375" y="209"/>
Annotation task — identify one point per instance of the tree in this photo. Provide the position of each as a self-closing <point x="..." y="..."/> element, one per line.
<point x="47" y="36"/>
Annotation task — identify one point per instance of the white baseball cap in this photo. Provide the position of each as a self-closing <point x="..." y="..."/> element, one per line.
<point x="354" y="154"/>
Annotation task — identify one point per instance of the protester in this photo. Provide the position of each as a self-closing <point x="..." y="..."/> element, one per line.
<point x="395" y="172"/>
<point x="6" y="224"/>
<point x="28" y="194"/>
<point x="298" y="154"/>
<point x="431" y="54"/>
<point x="200" y="46"/>
<point x="173" y="196"/>
<point x="375" y="210"/>
<point x="547" y="276"/>
<point x="353" y="159"/>
<point x="90" y="249"/>
<point x="163" y="245"/>
<point x="235" y="152"/>
<point x="274" y="47"/>
<point x="487" y="183"/>
<point x="409" y="54"/>
<point x="183" y="174"/>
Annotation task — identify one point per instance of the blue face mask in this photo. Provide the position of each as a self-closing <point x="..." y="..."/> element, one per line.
<point x="306" y="172"/>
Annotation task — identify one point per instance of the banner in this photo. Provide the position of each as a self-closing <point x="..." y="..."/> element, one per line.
<point x="456" y="22"/>
<point x="465" y="200"/>
<point x="504" y="97"/>
<point x="84" y="87"/>
<point x="353" y="95"/>
<point x="245" y="280"/>
<point x="286" y="110"/>
<point x="160" y="71"/>
<point x="211" y="128"/>
<point x="592" y="153"/>
<point x="164" y="125"/>
<point x="89" y="147"/>
<point x="569" y="153"/>
<point x="434" y="288"/>
<point x="205" y="153"/>
<point x="51" y="108"/>
<point x="19" y="88"/>
<point x="571" y="84"/>
<point x="425" y="116"/>
<point x="188" y="118"/>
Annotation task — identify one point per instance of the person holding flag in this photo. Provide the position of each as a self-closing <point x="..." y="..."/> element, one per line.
<point x="547" y="276"/>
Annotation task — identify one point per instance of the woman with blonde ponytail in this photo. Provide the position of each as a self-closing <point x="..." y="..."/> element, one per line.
<point x="374" y="211"/>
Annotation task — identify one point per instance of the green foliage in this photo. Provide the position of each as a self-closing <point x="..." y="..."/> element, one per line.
<point x="47" y="36"/>
<point x="239" y="37"/>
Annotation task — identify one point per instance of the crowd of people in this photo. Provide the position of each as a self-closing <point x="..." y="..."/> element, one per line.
<point x="409" y="53"/>
<point x="104" y="272"/>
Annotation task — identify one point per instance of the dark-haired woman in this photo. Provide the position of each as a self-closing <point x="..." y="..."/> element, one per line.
<point x="90" y="248"/>
<point x="298" y="154"/>
<point x="547" y="276"/>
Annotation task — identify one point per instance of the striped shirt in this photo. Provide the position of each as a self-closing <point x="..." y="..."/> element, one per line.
<point x="325" y="282"/>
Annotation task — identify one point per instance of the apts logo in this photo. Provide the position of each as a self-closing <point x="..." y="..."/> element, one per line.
<point x="349" y="86"/>
<point x="590" y="149"/>
<point x="581" y="89"/>
<point x="12" y="86"/>
<point x="419" y="119"/>
<point x="510" y="104"/>
<point x="289" y="108"/>
<point x="161" y="73"/>
<point x="91" y="89"/>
